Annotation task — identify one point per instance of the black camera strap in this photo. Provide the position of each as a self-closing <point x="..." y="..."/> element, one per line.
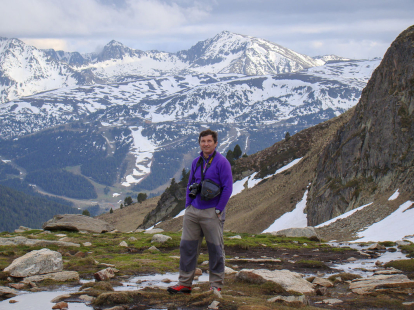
<point x="200" y="163"/>
<point x="207" y="165"/>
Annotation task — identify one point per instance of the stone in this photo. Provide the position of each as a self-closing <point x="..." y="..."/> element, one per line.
<point x="105" y="274"/>
<point x="153" y="248"/>
<point x="166" y="280"/>
<point x="12" y="301"/>
<point x="61" y="305"/>
<point x="307" y="232"/>
<point x="34" y="242"/>
<point x="370" y="284"/>
<point x="214" y="305"/>
<point x="198" y="272"/>
<point x="123" y="244"/>
<point x="160" y="238"/>
<point x="139" y="230"/>
<point x="153" y="231"/>
<point x="321" y="291"/>
<point x="77" y="222"/>
<point x="86" y="244"/>
<point x="62" y="276"/>
<point x="7" y="292"/>
<point x="332" y="301"/>
<point x="290" y="299"/>
<point x="132" y="239"/>
<point x="228" y="270"/>
<point x="235" y="237"/>
<point x="322" y="282"/>
<point x="81" y="254"/>
<point x="290" y="281"/>
<point x="60" y="298"/>
<point x="35" y="263"/>
<point x="18" y="286"/>
<point x="351" y="259"/>
<point x="388" y="271"/>
<point x="86" y="298"/>
<point x="401" y="242"/>
<point x="376" y="246"/>
<point x="61" y="235"/>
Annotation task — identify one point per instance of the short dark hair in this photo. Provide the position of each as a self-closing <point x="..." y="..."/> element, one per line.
<point x="208" y="132"/>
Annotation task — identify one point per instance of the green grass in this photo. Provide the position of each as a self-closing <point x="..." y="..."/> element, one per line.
<point x="403" y="265"/>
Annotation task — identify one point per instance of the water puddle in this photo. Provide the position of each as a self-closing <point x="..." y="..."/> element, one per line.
<point x="366" y="266"/>
<point x="41" y="300"/>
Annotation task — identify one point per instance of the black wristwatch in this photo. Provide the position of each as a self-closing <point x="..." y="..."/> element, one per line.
<point x="218" y="212"/>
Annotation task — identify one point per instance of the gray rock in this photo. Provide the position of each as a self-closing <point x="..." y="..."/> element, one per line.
<point x="105" y="274"/>
<point x="35" y="263"/>
<point x="33" y="242"/>
<point x="290" y="281"/>
<point x="77" y="222"/>
<point x="153" y="231"/>
<point x="307" y="232"/>
<point x="7" y="292"/>
<point x="153" y="248"/>
<point x="160" y="238"/>
<point x="371" y="284"/>
<point x="61" y="276"/>
<point x="290" y="299"/>
<point x="123" y="244"/>
<point x="376" y="246"/>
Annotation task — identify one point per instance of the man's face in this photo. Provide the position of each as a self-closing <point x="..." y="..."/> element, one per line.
<point x="207" y="144"/>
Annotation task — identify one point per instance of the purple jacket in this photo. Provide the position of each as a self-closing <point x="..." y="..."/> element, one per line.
<point x="220" y="173"/>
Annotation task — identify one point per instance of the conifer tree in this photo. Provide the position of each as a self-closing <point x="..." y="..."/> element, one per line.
<point x="237" y="152"/>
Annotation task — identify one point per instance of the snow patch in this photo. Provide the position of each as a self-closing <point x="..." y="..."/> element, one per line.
<point x="396" y="226"/>
<point x="395" y="195"/>
<point x="293" y="219"/>
<point x="342" y="216"/>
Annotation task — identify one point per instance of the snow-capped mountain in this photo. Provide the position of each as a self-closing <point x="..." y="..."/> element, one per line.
<point x="141" y="111"/>
<point x="25" y="70"/>
<point x="234" y="53"/>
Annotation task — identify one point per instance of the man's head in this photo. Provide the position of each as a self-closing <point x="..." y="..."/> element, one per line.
<point x="208" y="142"/>
<point x="208" y="132"/>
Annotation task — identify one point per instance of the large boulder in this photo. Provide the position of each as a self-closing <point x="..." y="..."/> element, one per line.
<point x="290" y="281"/>
<point x="381" y="283"/>
<point x="307" y="232"/>
<point x="36" y="262"/>
<point x="77" y="222"/>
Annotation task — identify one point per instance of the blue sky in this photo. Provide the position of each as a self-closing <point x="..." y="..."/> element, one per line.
<point x="354" y="29"/>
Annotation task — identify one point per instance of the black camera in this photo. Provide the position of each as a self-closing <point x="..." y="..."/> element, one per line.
<point x="194" y="188"/>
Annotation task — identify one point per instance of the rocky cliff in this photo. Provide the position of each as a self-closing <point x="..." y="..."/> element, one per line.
<point x="374" y="151"/>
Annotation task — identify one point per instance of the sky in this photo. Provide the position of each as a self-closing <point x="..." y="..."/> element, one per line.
<point x="359" y="29"/>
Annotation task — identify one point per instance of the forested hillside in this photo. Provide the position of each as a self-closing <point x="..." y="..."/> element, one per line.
<point x="20" y="209"/>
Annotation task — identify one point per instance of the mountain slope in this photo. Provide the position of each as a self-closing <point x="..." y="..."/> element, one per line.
<point x="363" y="158"/>
<point x="374" y="152"/>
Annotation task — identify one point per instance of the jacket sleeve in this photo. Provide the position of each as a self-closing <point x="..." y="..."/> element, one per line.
<point x="226" y="181"/>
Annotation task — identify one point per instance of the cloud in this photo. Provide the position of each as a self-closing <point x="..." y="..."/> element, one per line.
<point x="172" y="25"/>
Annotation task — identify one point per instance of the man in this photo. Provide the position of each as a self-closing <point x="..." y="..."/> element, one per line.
<point x="204" y="214"/>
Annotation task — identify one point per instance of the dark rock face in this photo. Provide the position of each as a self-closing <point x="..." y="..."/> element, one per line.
<point x="171" y="203"/>
<point x="374" y="151"/>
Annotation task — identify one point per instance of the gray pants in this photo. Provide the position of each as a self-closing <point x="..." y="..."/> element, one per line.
<point x="196" y="225"/>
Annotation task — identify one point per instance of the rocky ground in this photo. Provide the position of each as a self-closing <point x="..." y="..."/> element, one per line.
<point x="264" y="272"/>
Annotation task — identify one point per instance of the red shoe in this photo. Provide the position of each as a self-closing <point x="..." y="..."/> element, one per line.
<point x="179" y="289"/>
<point x="218" y="289"/>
